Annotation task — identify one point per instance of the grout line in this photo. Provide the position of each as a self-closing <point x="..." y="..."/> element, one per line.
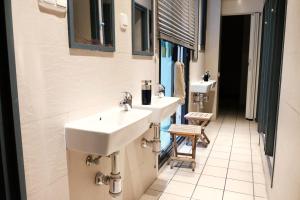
<point x="204" y="165"/>
<point x="230" y="154"/>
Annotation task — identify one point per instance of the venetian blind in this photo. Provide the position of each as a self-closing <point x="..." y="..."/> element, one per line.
<point x="178" y="22"/>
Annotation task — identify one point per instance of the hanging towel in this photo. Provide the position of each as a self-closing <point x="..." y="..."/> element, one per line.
<point x="179" y="83"/>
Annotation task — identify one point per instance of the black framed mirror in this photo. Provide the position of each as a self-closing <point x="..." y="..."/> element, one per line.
<point x="142" y="27"/>
<point x="91" y="24"/>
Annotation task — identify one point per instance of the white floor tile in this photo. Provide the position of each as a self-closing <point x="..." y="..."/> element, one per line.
<point x="222" y="148"/>
<point x="243" y="166"/>
<point x="151" y="195"/>
<point x="241" y="158"/>
<point x="239" y="186"/>
<point x="207" y="193"/>
<point x="219" y="155"/>
<point x="200" y="159"/>
<point x="236" y="196"/>
<point x="240" y="175"/>
<point x="241" y="145"/>
<point x="180" y="189"/>
<point x="166" y="196"/>
<point x="242" y="151"/>
<point x="260" y="198"/>
<point x="212" y="181"/>
<point x="159" y="185"/>
<point x="186" y="177"/>
<point x="260" y="190"/>
<point x="186" y="167"/>
<point x="217" y="162"/>
<point x="259" y="178"/>
<point x="215" y="171"/>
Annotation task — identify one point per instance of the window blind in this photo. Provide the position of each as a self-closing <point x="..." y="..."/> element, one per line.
<point x="178" y="22"/>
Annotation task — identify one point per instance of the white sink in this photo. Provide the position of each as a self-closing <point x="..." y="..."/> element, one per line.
<point x="107" y="132"/>
<point x="161" y="107"/>
<point x="202" y="86"/>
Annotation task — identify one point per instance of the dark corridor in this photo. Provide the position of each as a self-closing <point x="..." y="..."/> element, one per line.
<point x="234" y="53"/>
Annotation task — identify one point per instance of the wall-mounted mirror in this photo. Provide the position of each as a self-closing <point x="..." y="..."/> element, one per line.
<point x="91" y="24"/>
<point x="142" y="27"/>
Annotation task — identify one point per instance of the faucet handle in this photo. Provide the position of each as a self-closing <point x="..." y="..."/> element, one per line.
<point x="127" y="96"/>
<point x="126" y="100"/>
<point x="161" y="90"/>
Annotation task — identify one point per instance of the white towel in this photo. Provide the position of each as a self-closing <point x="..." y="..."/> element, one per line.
<point x="179" y="83"/>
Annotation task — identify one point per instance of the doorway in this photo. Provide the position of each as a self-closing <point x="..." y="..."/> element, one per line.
<point x="234" y="56"/>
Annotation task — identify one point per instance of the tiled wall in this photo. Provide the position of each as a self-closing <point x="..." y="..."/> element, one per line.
<point x="56" y="85"/>
<point x="287" y="163"/>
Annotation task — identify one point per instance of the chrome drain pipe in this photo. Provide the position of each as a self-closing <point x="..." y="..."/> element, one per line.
<point x="114" y="180"/>
<point x="155" y="142"/>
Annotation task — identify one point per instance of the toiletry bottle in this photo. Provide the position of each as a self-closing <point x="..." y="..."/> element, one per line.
<point x="206" y="76"/>
<point x="146" y="92"/>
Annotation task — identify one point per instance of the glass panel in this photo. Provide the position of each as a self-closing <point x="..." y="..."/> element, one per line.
<point x="84" y="26"/>
<point x="142" y="27"/>
<point x="107" y="16"/>
<point x="167" y="74"/>
<point x="140" y="30"/>
<point x="93" y="22"/>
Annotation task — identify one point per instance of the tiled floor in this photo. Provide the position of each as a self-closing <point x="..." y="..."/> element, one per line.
<point x="230" y="168"/>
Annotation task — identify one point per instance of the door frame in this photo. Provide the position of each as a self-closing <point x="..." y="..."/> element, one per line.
<point x="12" y="176"/>
<point x="253" y="65"/>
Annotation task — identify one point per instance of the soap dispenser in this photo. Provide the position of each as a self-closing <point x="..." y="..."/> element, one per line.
<point x="146" y="92"/>
<point x="206" y="76"/>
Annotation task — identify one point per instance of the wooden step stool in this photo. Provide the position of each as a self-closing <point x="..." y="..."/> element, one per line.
<point x="190" y="131"/>
<point x="200" y="119"/>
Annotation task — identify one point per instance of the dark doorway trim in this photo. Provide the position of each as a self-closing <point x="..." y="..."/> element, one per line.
<point x="12" y="177"/>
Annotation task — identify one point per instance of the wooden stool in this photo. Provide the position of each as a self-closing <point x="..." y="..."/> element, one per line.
<point x="190" y="131"/>
<point x="200" y="119"/>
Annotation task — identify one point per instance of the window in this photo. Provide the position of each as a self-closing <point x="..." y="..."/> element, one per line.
<point x="142" y="28"/>
<point x="169" y="54"/>
<point x="91" y="24"/>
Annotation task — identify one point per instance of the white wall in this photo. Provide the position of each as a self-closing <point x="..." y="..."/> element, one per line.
<point x="56" y="85"/>
<point x="287" y="163"/>
<point x="239" y="7"/>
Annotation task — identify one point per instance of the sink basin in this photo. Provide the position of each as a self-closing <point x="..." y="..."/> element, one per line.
<point x="107" y="132"/>
<point x="161" y="107"/>
<point x="202" y="86"/>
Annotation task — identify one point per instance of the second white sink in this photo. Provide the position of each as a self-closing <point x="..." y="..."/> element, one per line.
<point x="202" y="86"/>
<point x="161" y="107"/>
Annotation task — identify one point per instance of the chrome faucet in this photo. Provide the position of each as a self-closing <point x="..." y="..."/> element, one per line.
<point x="126" y="101"/>
<point x="161" y="90"/>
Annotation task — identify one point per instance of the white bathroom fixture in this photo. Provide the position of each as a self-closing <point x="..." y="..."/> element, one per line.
<point x="202" y="86"/>
<point x="123" y="21"/>
<point x="161" y="107"/>
<point x="107" y="132"/>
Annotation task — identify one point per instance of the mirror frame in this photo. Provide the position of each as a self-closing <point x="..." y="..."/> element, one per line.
<point x="71" y="32"/>
<point x="141" y="53"/>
